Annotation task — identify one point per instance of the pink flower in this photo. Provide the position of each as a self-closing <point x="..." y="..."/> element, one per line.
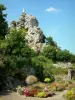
<point x="26" y="92"/>
<point x="45" y="89"/>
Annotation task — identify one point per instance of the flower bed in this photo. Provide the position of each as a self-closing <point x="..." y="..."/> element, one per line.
<point x="45" y="89"/>
<point x="33" y="92"/>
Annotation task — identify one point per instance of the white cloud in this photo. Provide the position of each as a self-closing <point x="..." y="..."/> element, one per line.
<point x="51" y="9"/>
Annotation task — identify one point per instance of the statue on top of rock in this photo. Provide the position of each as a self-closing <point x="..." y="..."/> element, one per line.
<point x="35" y="35"/>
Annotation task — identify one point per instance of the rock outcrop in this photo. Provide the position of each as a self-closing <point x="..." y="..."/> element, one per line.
<point x="35" y="36"/>
<point x="63" y="64"/>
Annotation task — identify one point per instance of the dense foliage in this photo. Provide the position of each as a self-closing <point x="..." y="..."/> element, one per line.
<point x="70" y="95"/>
<point x="63" y="55"/>
<point x="15" y="55"/>
<point x="3" y="22"/>
<point x="43" y="67"/>
<point x="56" y="54"/>
<point x="50" y="41"/>
<point x="50" y="52"/>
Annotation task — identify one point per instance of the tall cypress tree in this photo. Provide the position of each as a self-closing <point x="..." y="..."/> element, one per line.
<point x="3" y="22"/>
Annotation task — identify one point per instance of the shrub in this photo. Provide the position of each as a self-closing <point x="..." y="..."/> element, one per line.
<point x="38" y="67"/>
<point x="43" y="67"/>
<point x="38" y="88"/>
<point x="46" y="89"/>
<point x="70" y="82"/>
<point x="31" y="79"/>
<point x="30" y="92"/>
<point x="53" y="86"/>
<point x="50" y="52"/>
<point x="48" y="70"/>
<point x="70" y="86"/>
<point x="47" y="80"/>
<point x="61" y="87"/>
<point x="26" y="92"/>
<point x="70" y="95"/>
<point x="41" y="94"/>
<point x="63" y="55"/>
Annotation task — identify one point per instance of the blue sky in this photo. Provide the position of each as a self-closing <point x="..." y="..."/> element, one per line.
<point x="56" y="18"/>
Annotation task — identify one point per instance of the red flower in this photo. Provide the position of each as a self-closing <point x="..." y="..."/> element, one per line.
<point x="35" y="91"/>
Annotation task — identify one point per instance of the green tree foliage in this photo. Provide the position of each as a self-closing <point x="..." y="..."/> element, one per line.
<point x="72" y="59"/>
<point x="50" y="52"/>
<point x="50" y="41"/>
<point x="38" y="67"/>
<point x="3" y="22"/>
<point x="15" y="45"/>
<point x="43" y="67"/>
<point x="63" y="55"/>
<point x="16" y="54"/>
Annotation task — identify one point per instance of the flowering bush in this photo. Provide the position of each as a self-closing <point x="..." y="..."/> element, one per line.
<point x="35" y="92"/>
<point x="70" y="95"/>
<point x="38" y="88"/>
<point x="54" y="86"/>
<point x="41" y="94"/>
<point x="30" y="92"/>
<point x="58" y="86"/>
<point x="46" y="89"/>
<point x="31" y="79"/>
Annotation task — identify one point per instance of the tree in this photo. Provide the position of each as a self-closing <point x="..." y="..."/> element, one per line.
<point x="38" y="67"/>
<point x="63" y="55"/>
<point x="72" y="58"/>
<point x="43" y="67"/>
<point x="50" y="41"/>
<point x="3" y="22"/>
<point x="15" y="45"/>
<point x="50" y="52"/>
<point x="16" y="55"/>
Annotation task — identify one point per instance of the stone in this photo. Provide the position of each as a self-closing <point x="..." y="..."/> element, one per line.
<point x="20" y="23"/>
<point x="31" y="21"/>
<point x="35" y="36"/>
<point x="63" y="64"/>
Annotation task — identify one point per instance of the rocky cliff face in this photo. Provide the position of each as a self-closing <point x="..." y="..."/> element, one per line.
<point x="35" y="36"/>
